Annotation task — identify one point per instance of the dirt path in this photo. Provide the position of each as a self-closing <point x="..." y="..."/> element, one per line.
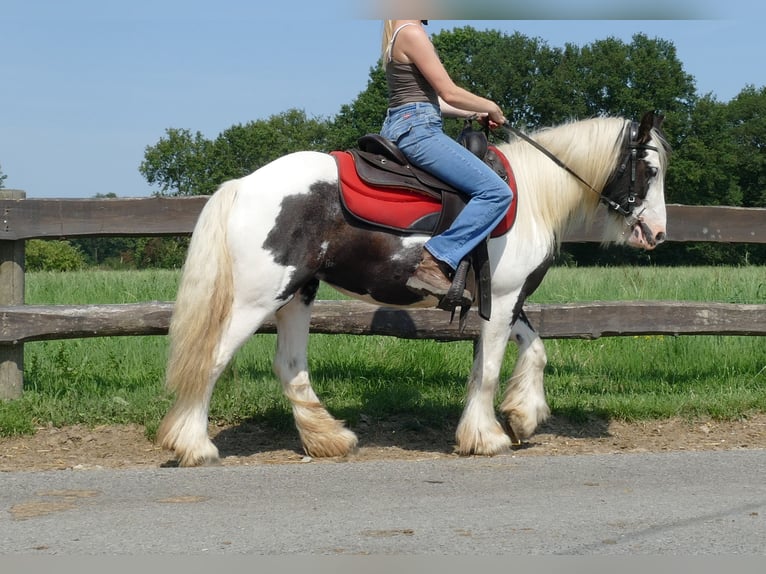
<point x="127" y="446"/>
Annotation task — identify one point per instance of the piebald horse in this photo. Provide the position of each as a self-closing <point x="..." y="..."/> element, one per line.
<point x="263" y="243"/>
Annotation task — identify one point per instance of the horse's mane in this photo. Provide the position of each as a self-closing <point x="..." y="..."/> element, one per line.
<point x="551" y="197"/>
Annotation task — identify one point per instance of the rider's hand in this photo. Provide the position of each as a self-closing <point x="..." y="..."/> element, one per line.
<point x="496" y="117"/>
<point x="487" y="121"/>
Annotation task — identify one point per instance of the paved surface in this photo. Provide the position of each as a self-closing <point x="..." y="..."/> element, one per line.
<point x="668" y="503"/>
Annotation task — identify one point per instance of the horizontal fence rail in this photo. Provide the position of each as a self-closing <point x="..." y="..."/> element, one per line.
<point x="571" y="321"/>
<point x="60" y="218"/>
<point x="22" y="219"/>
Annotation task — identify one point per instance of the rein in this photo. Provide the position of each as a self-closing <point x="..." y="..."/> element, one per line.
<point x="631" y="157"/>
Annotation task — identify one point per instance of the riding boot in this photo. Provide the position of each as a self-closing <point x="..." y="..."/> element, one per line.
<point x="431" y="278"/>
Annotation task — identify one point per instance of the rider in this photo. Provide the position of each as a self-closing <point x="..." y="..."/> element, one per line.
<point x="420" y="92"/>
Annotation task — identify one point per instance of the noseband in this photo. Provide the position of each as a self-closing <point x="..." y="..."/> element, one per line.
<point x="628" y="164"/>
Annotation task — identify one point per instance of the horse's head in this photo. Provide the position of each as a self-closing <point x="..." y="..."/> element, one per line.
<point x="635" y="193"/>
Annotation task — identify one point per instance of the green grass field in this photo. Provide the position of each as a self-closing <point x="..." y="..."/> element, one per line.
<point x="119" y="379"/>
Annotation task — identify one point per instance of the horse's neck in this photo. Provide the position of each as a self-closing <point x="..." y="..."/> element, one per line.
<point x="556" y="199"/>
<point x="550" y="199"/>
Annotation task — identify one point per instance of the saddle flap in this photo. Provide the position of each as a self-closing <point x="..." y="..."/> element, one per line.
<point x="377" y="169"/>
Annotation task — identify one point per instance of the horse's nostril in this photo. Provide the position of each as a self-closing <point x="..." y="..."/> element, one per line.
<point x="660" y="237"/>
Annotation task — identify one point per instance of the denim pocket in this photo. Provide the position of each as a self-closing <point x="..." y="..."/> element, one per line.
<point x="401" y="122"/>
<point x="397" y="126"/>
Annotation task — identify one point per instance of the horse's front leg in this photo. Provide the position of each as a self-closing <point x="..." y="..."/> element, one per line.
<point x="478" y="431"/>
<point x="524" y="406"/>
<point x="321" y="434"/>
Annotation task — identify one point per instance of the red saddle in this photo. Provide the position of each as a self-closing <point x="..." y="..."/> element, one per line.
<point x="402" y="208"/>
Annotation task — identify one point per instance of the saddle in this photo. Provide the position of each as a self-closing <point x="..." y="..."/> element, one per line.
<point x="381" y="188"/>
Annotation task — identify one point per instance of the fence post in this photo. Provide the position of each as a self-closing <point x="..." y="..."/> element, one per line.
<point x="11" y="293"/>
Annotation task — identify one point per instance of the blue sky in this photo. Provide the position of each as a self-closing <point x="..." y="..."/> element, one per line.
<point x="87" y="85"/>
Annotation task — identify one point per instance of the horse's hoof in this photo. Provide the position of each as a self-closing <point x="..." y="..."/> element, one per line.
<point x="519" y="428"/>
<point x="485" y="444"/>
<point x="508" y="429"/>
<point x="336" y="445"/>
<point x="207" y="456"/>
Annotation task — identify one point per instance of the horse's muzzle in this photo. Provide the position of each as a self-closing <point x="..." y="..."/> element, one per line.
<point x="643" y="237"/>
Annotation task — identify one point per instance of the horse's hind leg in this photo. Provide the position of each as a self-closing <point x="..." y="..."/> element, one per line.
<point x="184" y="428"/>
<point x="524" y="405"/>
<point x="320" y="433"/>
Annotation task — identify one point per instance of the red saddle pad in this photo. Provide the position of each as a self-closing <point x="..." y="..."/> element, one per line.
<point x="396" y="208"/>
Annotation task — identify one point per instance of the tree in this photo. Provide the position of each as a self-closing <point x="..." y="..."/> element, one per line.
<point x="53" y="255"/>
<point x="3" y="177"/>
<point x="746" y="115"/>
<point x="512" y="70"/>
<point x="629" y="79"/>
<point x="241" y="149"/>
<point x="538" y="85"/>
<point x="179" y="163"/>
<point x="705" y="159"/>
<point x="183" y="163"/>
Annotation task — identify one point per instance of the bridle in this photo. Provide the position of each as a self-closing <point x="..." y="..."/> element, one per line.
<point x="628" y="164"/>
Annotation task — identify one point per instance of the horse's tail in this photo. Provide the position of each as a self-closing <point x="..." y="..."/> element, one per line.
<point x="202" y="308"/>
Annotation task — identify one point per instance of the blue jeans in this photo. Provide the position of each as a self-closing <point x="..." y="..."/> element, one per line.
<point x="417" y="129"/>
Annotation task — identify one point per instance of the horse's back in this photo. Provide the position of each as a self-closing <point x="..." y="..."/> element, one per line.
<point x="291" y="173"/>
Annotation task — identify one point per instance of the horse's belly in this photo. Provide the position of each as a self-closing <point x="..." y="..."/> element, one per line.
<point x="367" y="298"/>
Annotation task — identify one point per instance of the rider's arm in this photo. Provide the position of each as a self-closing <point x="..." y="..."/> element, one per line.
<point x="449" y="111"/>
<point x="413" y="45"/>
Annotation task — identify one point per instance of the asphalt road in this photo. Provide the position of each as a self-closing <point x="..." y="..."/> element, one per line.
<point x="646" y="504"/>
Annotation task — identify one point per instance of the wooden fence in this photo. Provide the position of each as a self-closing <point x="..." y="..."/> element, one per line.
<point x="24" y="219"/>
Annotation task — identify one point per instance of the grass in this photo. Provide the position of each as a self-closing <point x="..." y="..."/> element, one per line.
<point x="119" y="379"/>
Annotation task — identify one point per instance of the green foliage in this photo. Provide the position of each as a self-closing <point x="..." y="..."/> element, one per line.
<point x="3" y="177"/>
<point x="186" y="164"/>
<point x="42" y="255"/>
<point x="108" y="252"/>
<point x="241" y="149"/>
<point x="746" y="121"/>
<point x="160" y="252"/>
<point x="703" y="166"/>
<point x="179" y="163"/>
<point x="539" y="85"/>
<point x="133" y="252"/>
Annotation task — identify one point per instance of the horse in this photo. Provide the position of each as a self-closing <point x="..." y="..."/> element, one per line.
<point x="262" y="244"/>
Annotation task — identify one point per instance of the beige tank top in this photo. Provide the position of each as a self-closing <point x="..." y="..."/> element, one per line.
<point x="405" y="82"/>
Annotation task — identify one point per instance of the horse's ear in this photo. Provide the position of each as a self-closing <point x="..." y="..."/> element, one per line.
<point x="649" y="121"/>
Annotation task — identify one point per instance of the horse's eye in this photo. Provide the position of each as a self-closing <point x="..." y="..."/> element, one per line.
<point x="652" y="172"/>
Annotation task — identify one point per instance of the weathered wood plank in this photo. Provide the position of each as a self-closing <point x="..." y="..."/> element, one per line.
<point x="709" y="224"/>
<point x="12" y="258"/>
<point x="56" y="218"/>
<point x="581" y="320"/>
<point x="716" y="224"/>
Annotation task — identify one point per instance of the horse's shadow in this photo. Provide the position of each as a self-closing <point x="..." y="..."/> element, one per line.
<point x="417" y="425"/>
<point x="411" y="422"/>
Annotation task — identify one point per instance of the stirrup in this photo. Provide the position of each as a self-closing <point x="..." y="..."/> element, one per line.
<point x="455" y="295"/>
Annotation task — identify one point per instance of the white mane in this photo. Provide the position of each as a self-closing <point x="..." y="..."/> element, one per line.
<point x="549" y="196"/>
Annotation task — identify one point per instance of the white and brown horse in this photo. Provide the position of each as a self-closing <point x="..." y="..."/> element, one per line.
<point x="263" y="242"/>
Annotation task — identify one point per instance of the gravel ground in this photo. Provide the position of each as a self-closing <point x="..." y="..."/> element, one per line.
<point x="250" y="443"/>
